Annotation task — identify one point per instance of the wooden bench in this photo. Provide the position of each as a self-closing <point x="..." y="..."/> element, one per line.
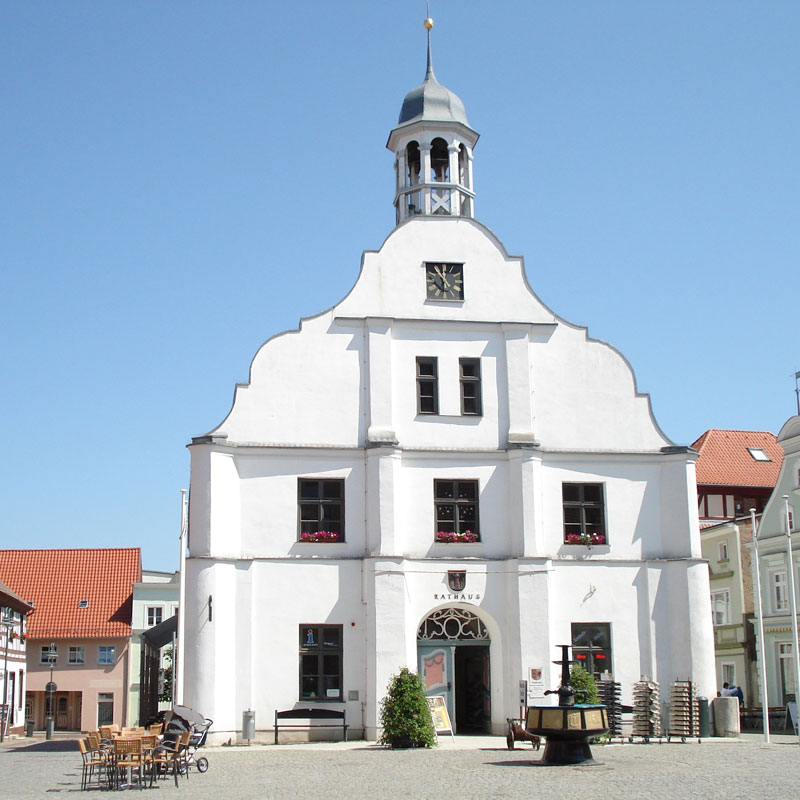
<point x="310" y="714"/>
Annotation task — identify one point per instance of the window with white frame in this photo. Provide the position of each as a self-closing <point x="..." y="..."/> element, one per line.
<point x="780" y="598"/>
<point x="786" y="672"/>
<point x="77" y="655"/>
<point x="729" y="674"/>
<point x="106" y="654"/>
<point x="47" y="654"/>
<point x="721" y="607"/>
<point x="723" y="551"/>
<point x="155" y="615"/>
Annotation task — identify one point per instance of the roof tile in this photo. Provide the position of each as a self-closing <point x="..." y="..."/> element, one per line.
<point x="725" y="460"/>
<point x="56" y="580"/>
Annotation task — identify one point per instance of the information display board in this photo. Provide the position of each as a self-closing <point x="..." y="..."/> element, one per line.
<point x="439" y="715"/>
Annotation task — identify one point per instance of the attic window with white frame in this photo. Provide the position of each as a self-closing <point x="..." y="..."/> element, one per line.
<point x="758" y="454"/>
<point x="83" y="604"/>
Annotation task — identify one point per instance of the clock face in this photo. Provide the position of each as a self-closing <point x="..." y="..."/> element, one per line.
<point x="444" y="281"/>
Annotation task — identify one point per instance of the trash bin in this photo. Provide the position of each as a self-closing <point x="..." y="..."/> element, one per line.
<point x="248" y="725"/>
<point x="29" y="727"/>
<point x="705" y="717"/>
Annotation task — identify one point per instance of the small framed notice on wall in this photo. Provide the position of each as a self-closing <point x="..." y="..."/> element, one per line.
<point x="439" y="715"/>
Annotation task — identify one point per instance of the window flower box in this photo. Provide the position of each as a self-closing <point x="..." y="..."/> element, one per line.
<point x="586" y="538"/>
<point x="320" y="536"/>
<point x="450" y="537"/>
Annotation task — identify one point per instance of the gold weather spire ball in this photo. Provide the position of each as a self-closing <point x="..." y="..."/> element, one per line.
<point x="428" y="23"/>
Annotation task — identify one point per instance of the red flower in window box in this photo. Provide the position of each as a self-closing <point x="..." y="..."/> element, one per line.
<point x="320" y="536"/>
<point x="450" y="537"/>
<point x="586" y="538"/>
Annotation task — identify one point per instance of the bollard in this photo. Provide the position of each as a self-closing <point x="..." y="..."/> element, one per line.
<point x="48" y="728"/>
<point x="726" y="717"/>
<point x="248" y="725"/>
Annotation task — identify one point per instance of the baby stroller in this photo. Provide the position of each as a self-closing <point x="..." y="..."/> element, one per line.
<point x="182" y="719"/>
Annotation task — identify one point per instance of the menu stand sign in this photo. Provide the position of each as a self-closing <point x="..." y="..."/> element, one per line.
<point x="439" y="715"/>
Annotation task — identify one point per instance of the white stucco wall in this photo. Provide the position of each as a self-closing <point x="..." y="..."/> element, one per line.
<point x="557" y="407"/>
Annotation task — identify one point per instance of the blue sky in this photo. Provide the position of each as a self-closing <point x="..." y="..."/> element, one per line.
<point x="182" y="180"/>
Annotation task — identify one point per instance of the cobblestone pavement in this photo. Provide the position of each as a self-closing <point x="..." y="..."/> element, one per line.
<point x="467" y="768"/>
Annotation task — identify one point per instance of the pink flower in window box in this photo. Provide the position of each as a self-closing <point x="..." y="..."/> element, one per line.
<point x="320" y="536"/>
<point x="450" y="537"/>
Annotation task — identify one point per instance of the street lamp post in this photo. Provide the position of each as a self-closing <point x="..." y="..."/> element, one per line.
<point x="761" y="661"/>
<point x="50" y="689"/>
<point x="8" y="624"/>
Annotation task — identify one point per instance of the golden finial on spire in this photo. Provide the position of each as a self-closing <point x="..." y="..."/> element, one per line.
<point x="428" y="23"/>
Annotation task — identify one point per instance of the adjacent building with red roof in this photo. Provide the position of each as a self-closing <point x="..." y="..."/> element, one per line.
<point x="736" y="471"/>
<point x="13" y="613"/>
<point x="80" y="626"/>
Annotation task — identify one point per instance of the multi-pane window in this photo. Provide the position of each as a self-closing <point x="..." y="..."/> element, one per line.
<point x="47" y="655"/>
<point x="105" y="654"/>
<point x="456" y="506"/>
<point x="105" y="708"/>
<point x="584" y="513"/>
<point x="427" y="385"/>
<point x="721" y="607"/>
<point x="320" y="505"/>
<point x="729" y="674"/>
<point x="469" y="370"/>
<point x="591" y="646"/>
<point x="321" y="662"/>
<point x="77" y="655"/>
<point x="155" y="615"/>
<point x="780" y="597"/>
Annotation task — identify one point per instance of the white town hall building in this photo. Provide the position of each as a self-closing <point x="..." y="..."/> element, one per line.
<point x="478" y="483"/>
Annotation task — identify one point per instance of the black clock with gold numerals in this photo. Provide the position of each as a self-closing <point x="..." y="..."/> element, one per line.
<point x="444" y="281"/>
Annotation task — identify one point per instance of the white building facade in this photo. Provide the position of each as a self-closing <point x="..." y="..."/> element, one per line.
<point x="774" y="569"/>
<point x="438" y="472"/>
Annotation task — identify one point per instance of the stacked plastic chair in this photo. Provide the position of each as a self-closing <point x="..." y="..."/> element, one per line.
<point x="610" y="692"/>
<point x="684" y="711"/>
<point x="646" y="710"/>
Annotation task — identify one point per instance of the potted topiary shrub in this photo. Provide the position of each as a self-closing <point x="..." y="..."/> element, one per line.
<point x="584" y="684"/>
<point x="405" y="715"/>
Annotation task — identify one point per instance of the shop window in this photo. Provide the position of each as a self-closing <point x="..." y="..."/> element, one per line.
<point x="321" y="662"/>
<point x="320" y="509"/>
<point x="427" y="385"/>
<point x="721" y="607"/>
<point x="456" y="509"/>
<point x="470" y="377"/>
<point x="591" y="646"/>
<point x="584" y="513"/>
<point x="77" y="655"/>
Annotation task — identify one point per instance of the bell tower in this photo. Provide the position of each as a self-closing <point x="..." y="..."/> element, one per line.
<point x="432" y="143"/>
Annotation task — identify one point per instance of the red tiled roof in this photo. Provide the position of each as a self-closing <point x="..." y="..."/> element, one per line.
<point x="55" y="581"/>
<point x="725" y="460"/>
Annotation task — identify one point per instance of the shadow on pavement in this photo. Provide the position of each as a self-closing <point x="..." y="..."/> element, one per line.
<point x="53" y="746"/>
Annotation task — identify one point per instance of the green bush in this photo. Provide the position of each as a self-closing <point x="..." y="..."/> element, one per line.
<point x="405" y="716"/>
<point x="584" y="685"/>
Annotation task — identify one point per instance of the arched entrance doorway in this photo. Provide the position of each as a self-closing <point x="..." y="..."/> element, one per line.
<point x="453" y="655"/>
